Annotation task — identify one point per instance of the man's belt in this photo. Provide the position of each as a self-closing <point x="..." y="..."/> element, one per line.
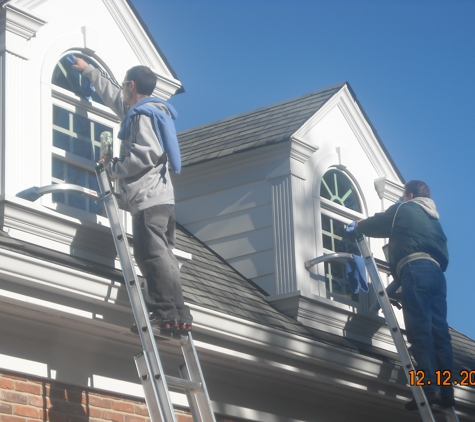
<point x="413" y="257"/>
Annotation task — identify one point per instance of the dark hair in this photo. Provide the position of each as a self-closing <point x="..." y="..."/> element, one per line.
<point x="144" y="79"/>
<point x="417" y="188"/>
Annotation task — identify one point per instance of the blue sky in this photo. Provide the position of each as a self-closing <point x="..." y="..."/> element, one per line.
<point x="410" y="63"/>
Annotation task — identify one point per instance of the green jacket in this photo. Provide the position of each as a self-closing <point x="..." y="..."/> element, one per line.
<point x="416" y="228"/>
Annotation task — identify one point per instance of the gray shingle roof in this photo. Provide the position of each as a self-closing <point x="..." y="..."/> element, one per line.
<point x="264" y="126"/>
<point x="212" y="283"/>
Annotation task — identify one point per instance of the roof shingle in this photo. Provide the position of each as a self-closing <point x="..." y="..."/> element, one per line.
<point x="267" y="125"/>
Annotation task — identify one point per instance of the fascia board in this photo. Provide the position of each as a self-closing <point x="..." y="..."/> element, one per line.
<point x="361" y="128"/>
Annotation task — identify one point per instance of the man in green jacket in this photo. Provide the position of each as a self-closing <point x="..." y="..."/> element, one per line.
<point x="418" y="255"/>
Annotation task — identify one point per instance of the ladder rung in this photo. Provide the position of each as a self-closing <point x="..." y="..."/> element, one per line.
<point x="182" y="384"/>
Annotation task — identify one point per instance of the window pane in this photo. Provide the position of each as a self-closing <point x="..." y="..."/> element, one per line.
<point x="337" y="187"/>
<point x="61" y="117"/>
<point x="76" y="176"/>
<point x="70" y="79"/>
<point x="59" y="197"/>
<point x="57" y="169"/>
<point x="83" y="148"/>
<point x="61" y="140"/>
<point x="77" y="201"/>
<point x="82" y="126"/>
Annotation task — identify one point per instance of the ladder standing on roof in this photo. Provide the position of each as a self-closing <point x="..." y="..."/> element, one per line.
<point x="406" y="361"/>
<point x="149" y="367"/>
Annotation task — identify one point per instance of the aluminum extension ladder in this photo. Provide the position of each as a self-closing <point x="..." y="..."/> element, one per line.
<point x="154" y="381"/>
<point x="384" y="302"/>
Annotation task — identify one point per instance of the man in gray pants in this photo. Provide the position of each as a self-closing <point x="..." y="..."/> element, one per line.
<point x="149" y="145"/>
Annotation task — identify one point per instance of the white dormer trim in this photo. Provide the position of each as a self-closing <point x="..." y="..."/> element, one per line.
<point x="388" y="189"/>
<point x="17" y="28"/>
<point x="21" y="22"/>
<point x="362" y="130"/>
<point x="167" y="84"/>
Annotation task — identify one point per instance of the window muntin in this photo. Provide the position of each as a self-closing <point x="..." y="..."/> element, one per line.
<point x="337" y="187"/>
<point x="342" y="205"/>
<point x="77" y="134"/>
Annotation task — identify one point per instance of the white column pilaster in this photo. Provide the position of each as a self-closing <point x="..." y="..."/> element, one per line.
<point x="17" y="153"/>
<point x="289" y="219"/>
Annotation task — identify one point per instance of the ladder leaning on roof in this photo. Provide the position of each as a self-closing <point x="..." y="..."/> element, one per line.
<point x="385" y="304"/>
<point x="154" y="381"/>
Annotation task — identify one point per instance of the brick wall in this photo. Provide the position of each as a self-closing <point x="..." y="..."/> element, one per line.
<point x="29" y="399"/>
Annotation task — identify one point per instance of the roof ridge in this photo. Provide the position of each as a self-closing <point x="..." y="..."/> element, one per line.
<point x="259" y="109"/>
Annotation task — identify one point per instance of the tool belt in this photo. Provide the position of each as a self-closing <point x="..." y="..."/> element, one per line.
<point x="413" y="257"/>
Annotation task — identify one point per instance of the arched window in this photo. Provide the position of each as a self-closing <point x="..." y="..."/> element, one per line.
<point x="340" y="204"/>
<point x="79" y="118"/>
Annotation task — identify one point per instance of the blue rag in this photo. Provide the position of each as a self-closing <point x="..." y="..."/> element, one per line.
<point x="85" y="84"/>
<point x="351" y="227"/>
<point x="356" y="274"/>
<point x="162" y="124"/>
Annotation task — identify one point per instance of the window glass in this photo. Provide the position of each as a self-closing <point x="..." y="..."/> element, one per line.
<point x="337" y="187"/>
<point x="70" y="79"/>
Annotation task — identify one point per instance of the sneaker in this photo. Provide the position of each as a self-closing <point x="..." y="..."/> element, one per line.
<point x="432" y="398"/>
<point x="184" y="328"/>
<point x="159" y="324"/>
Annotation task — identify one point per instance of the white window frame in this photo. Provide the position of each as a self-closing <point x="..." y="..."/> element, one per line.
<point x="345" y="215"/>
<point x="93" y="111"/>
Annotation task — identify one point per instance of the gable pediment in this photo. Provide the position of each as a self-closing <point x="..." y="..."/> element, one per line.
<point x="341" y="127"/>
<point x="125" y="42"/>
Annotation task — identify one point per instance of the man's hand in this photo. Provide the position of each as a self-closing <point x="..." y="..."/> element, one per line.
<point x="105" y="159"/>
<point x="80" y="64"/>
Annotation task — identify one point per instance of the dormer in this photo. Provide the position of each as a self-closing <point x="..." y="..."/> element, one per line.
<point x="273" y="188"/>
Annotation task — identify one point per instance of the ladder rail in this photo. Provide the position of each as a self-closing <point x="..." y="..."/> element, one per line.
<point x="154" y="367"/>
<point x="403" y="353"/>
<point x="200" y="402"/>
<point x="149" y="368"/>
<point x="393" y="326"/>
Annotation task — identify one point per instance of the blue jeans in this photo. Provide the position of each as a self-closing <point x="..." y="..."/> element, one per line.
<point x="424" y="304"/>
<point x="154" y="239"/>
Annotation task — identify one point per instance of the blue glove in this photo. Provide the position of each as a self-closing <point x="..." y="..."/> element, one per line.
<point x="351" y="227"/>
<point x="84" y="83"/>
